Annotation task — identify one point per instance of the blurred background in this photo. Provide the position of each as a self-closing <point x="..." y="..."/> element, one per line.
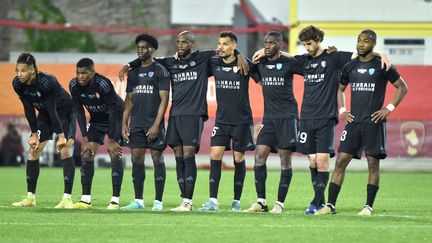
<point x="60" y="32"/>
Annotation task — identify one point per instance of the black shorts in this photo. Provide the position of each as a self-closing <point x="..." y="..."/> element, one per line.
<point x="241" y="136"/>
<point x="185" y="131"/>
<point x="96" y="132"/>
<point x="68" y="124"/>
<point x="138" y="139"/>
<point x="280" y="133"/>
<point x="316" y="136"/>
<point x="361" y="136"/>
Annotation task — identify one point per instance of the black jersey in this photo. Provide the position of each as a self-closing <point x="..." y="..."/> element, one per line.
<point x="45" y="95"/>
<point x="321" y="75"/>
<point x="276" y="78"/>
<point x="368" y="86"/>
<point x="232" y="93"/>
<point x="144" y="84"/>
<point x="100" y="100"/>
<point x="189" y="80"/>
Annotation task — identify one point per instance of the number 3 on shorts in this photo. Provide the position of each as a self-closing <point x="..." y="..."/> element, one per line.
<point x="343" y="135"/>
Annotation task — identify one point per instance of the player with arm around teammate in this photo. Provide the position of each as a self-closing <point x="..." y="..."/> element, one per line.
<point x="366" y="120"/>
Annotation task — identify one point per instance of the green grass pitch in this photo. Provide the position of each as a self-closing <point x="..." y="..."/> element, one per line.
<point x="401" y="211"/>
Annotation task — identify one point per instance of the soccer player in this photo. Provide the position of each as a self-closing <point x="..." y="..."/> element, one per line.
<point x="96" y="93"/>
<point x="278" y="131"/>
<point x="365" y="129"/>
<point x="233" y="127"/>
<point x="143" y="119"/>
<point x="189" y="76"/>
<point x="40" y="91"/>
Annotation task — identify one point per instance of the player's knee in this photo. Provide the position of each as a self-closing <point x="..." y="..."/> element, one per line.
<point x="87" y="156"/>
<point x="113" y="156"/>
<point x="157" y="157"/>
<point x="286" y="164"/>
<point x="34" y="154"/>
<point x="260" y="159"/>
<point x="137" y="159"/>
<point x="239" y="158"/>
<point x="216" y="155"/>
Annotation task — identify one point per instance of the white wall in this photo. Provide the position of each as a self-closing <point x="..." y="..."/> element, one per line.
<point x="365" y="10"/>
<point x="221" y="12"/>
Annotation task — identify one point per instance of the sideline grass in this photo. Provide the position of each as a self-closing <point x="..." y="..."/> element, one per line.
<point x="401" y="212"/>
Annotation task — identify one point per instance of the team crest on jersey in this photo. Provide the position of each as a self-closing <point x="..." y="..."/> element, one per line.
<point x="412" y="135"/>
<point x="150" y="74"/>
<point x="192" y="63"/>
<point x="141" y="75"/>
<point x="97" y="95"/>
<point x="278" y="66"/>
<point x="323" y="64"/>
<point x="371" y="71"/>
<point x="235" y="69"/>
<point x="270" y="67"/>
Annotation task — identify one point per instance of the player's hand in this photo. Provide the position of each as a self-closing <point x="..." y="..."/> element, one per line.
<point x="153" y="132"/>
<point x="331" y="49"/>
<point x="33" y="141"/>
<point x="125" y="133"/>
<point x="347" y="117"/>
<point x="257" y="55"/>
<point x="242" y="64"/>
<point x="381" y="115"/>
<point x="385" y="62"/>
<point x="176" y="56"/>
<point x="114" y="148"/>
<point x="61" y="142"/>
<point x="123" y="72"/>
<point x="86" y="148"/>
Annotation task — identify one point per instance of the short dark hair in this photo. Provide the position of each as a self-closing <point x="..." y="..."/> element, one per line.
<point x="147" y="38"/>
<point x="277" y="35"/>
<point x="229" y="34"/>
<point x="311" y="33"/>
<point x="85" y="63"/>
<point x="370" y="33"/>
<point x="27" y="58"/>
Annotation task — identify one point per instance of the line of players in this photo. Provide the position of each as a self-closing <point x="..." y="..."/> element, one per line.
<point x="139" y="121"/>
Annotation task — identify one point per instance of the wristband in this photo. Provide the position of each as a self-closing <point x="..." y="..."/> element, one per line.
<point x="390" y="107"/>
<point x="342" y="110"/>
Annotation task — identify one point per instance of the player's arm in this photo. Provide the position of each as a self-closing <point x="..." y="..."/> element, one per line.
<point x="345" y="115"/>
<point x="126" y="116"/>
<point x="30" y="115"/>
<point x="82" y="123"/>
<point x="261" y="53"/>
<point x="51" y="107"/>
<point x="153" y="132"/>
<point x="110" y="100"/>
<point x="385" y="62"/>
<point x="127" y="66"/>
<point x="401" y="90"/>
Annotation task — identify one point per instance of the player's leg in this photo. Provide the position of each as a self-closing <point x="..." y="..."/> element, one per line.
<point x="32" y="175"/>
<point x="138" y="178"/>
<point x="285" y="179"/>
<point x="190" y="130"/>
<point x="159" y="178"/>
<point x="87" y="172"/>
<point x="243" y="140"/>
<point x="216" y="155"/>
<point x="375" y="149"/>
<point x="68" y="173"/>
<point x="68" y="120"/>
<point x="173" y="140"/>
<point x="117" y="171"/>
<point x="373" y="184"/>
